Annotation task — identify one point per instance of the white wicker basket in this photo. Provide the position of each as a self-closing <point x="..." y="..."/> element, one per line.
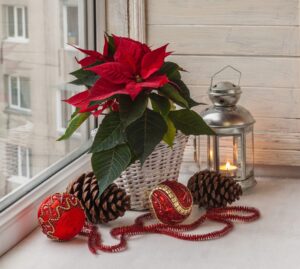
<point x="162" y="164"/>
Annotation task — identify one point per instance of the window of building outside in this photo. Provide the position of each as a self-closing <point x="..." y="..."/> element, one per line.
<point x="16" y="21"/>
<point x="30" y="77"/>
<point x="70" y="14"/>
<point x="19" y="92"/>
<point x="19" y="165"/>
<point x="64" y="111"/>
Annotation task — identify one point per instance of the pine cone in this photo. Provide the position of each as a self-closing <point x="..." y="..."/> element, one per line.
<point x="211" y="189"/>
<point x="112" y="204"/>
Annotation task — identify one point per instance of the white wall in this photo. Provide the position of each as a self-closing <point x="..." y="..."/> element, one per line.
<point x="261" y="39"/>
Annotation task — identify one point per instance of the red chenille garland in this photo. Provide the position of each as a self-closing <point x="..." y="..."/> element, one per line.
<point x="225" y="216"/>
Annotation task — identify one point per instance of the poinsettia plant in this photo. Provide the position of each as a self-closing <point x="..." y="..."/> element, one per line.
<point x="143" y="100"/>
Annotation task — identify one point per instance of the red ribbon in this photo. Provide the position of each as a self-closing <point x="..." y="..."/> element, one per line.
<point x="225" y="216"/>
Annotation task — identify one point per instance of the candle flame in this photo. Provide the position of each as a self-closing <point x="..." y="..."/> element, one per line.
<point x="227" y="165"/>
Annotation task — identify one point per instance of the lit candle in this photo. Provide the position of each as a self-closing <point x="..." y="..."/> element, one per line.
<point x="228" y="168"/>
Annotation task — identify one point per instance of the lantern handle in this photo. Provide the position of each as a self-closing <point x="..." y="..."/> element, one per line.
<point x="225" y="67"/>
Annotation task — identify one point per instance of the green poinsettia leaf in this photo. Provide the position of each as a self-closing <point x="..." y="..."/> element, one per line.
<point x="84" y="77"/>
<point x="110" y="133"/>
<point x="82" y="73"/>
<point x="171" y="70"/>
<point x="109" y="164"/>
<point x="76" y="82"/>
<point x="99" y="102"/>
<point x="87" y="81"/>
<point x="171" y="92"/>
<point x="75" y="112"/>
<point x="169" y="136"/>
<point x="130" y="110"/>
<point x="111" y="44"/>
<point x="145" y="133"/>
<point x="189" y="122"/>
<point x="74" y="124"/>
<point x="160" y="103"/>
<point x="185" y="93"/>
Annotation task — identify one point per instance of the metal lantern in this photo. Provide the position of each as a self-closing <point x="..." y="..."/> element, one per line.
<point x="231" y="150"/>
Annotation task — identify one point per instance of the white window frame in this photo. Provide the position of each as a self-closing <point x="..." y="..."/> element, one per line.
<point x="11" y="105"/>
<point x="16" y="37"/>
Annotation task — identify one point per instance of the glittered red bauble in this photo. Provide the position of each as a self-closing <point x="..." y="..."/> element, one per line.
<point x="61" y="216"/>
<point x="171" y="202"/>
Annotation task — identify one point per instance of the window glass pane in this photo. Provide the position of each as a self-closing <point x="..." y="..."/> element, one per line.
<point x="14" y="91"/>
<point x="230" y="155"/>
<point x="25" y="92"/>
<point x="72" y="25"/>
<point x="11" y="19"/>
<point x="36" y="73"/>
<point x="249" y="152"/>
<point x="20" y="21"/>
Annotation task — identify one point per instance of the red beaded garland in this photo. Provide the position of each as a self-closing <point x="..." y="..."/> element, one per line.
<point x="171" y="202"/>
<point x="220" y="215"/>
<point x="61" y="216"/>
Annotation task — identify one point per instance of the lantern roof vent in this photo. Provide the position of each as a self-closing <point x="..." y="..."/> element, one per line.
<point x="225" y="113"/>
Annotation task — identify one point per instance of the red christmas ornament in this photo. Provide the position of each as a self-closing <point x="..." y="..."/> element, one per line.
<point x="171" y="202"/>
<point x="61" y="216"/>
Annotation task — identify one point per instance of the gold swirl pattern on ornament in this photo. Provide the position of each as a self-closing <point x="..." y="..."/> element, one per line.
<point x="177" y="205"/>
<point x="59" y="210"/>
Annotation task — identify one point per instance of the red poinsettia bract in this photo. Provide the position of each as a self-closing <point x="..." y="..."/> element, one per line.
<point x="133" y="68"/>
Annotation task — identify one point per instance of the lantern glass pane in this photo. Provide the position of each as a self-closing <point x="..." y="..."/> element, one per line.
<point x="249" y="153"/>
<point x="230" y="155"/>
<point x="202" y="150"/>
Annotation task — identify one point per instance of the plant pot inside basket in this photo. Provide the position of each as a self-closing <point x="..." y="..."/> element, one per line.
<point x="162" y="164"/>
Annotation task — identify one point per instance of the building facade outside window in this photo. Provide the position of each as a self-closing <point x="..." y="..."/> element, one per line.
<point x="16" y="22"/>
<point x="19" y="93"/>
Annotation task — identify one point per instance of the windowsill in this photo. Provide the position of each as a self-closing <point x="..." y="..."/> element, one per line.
<point x="17" y="40"/>
<point x="270" y="242"/>
<point x="17" y="111"/>
<point x="19" y="218"/>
